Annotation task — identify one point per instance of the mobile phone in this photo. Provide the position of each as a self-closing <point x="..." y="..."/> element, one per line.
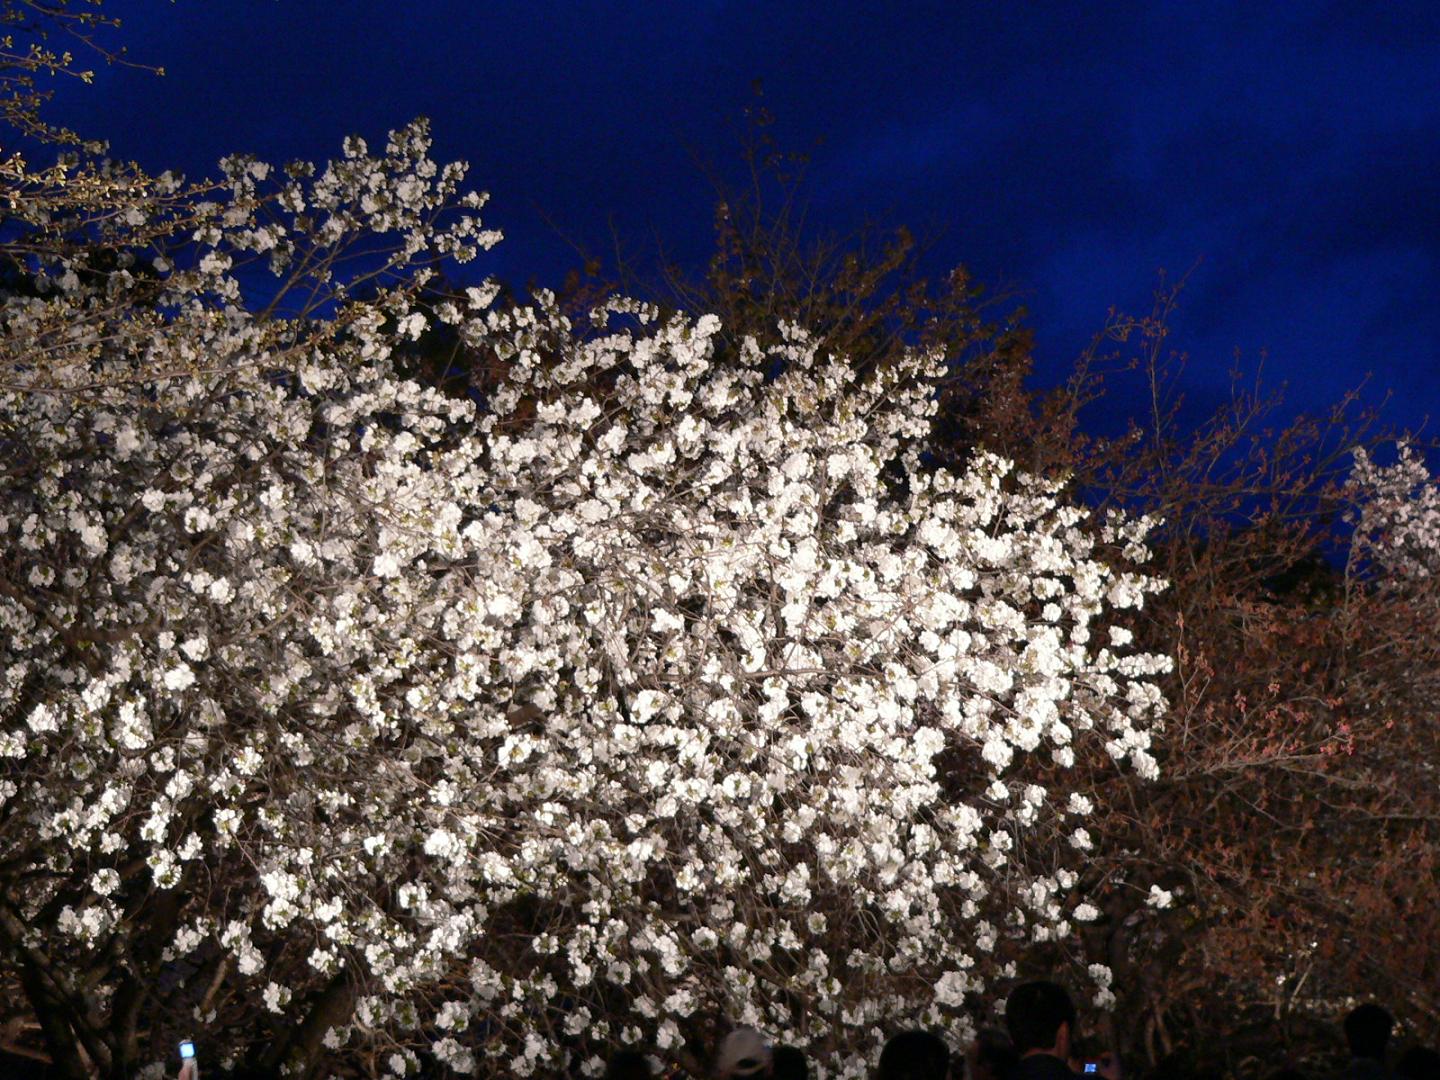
<point x="187" y="1049"/>
<point x="1091" y="1067"/>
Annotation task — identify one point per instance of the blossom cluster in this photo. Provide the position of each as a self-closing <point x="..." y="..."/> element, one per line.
<point x="1398" y="522"/>
<point x="671" y="683"/>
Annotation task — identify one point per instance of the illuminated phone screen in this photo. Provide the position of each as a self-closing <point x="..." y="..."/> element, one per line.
<point x="1090" y="1067"/>
<point x="187" y="1049"/>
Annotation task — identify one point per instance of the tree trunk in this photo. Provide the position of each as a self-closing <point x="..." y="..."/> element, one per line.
<point x="302" y="1049"/>
<point x="59" y="1039"/>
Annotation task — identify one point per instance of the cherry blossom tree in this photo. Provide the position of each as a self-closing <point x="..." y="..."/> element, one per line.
<point x="1276" y="868"/>
<point x="669" y="685"/>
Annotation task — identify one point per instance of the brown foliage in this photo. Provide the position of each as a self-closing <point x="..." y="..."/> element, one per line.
<point x="1297" y="808"/>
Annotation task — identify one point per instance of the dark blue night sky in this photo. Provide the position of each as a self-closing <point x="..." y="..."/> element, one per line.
<point x="1068" y="149"/>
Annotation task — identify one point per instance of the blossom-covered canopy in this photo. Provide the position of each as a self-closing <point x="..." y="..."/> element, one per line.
<point x="669" y="684"/>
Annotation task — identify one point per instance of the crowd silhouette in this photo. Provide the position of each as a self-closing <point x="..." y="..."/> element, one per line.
<point x="1040" y="1041"/>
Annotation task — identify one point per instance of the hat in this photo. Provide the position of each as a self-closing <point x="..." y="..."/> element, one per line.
<point x="744" y="1052"/>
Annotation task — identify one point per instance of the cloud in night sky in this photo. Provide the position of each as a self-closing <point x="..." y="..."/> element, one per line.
<point x="1070" y="150"/>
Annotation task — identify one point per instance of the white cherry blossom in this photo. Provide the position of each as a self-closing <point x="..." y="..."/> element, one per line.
<point x="667" y="685"/>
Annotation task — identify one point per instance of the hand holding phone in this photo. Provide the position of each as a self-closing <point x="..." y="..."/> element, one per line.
<point x="189" y="1068"/>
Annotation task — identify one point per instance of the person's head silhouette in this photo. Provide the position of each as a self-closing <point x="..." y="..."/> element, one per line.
<point x="628" y="1065"/>
<point x="914" y="1055"/>
<point x="1367" y="1030"/>
<point x="991" y="1056"/>
<point x="789" y="1063"/>
<point x="1040" y="1018"/>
